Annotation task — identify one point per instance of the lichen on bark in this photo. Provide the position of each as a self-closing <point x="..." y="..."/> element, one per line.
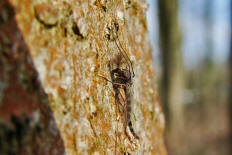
<point x="68" y="44"/>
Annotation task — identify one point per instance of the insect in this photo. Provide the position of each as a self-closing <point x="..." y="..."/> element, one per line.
<point x="121" y="79"/>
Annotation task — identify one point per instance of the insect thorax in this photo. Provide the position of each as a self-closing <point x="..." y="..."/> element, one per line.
<point x="121" y="76"/>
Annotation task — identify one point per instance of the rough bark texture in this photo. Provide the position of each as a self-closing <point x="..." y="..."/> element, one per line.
<point x="69" y="46"/>
<point x="27" y="125"/>
<point x="172" y="78"/>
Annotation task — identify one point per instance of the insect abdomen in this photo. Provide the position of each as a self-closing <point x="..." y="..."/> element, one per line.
<point x="128" y="109"/>
<point x="132" y="130"/>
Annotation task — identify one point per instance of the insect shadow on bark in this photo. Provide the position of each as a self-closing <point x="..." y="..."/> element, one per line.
<point x="121" y="80"/>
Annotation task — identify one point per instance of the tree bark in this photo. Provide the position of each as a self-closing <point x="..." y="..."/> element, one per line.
<point x="27" y="125"/>
<point x="70" y="47"/>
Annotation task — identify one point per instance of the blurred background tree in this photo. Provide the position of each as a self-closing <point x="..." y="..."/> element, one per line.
<point x="230" y="75"/>
<point x="199" y="120"/>
<point x="172" y="77"/>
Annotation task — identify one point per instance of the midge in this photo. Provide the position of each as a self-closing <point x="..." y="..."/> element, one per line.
<point x="121" y="79"/>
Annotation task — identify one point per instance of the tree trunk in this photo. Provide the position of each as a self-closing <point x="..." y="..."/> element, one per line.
<point x="172" y="77"/>
<point x="71" y="44"/>
<point x="27" y="125"/>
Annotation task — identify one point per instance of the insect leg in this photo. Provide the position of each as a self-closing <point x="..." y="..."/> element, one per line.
<point x="123" y="52"/>
<point x="114" y="83"/>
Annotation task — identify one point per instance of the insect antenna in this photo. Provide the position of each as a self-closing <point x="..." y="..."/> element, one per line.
<point x="122" y="51"/>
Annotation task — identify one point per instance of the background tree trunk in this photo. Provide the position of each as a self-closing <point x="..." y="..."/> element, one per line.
<point x="230" y="80"/>
<point x="27" y="125"/>
<point x="172" y="77"/>
<point x="69" y="46"/>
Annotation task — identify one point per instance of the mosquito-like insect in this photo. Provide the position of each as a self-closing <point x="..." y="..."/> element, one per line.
<point x="121" y="79"/>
